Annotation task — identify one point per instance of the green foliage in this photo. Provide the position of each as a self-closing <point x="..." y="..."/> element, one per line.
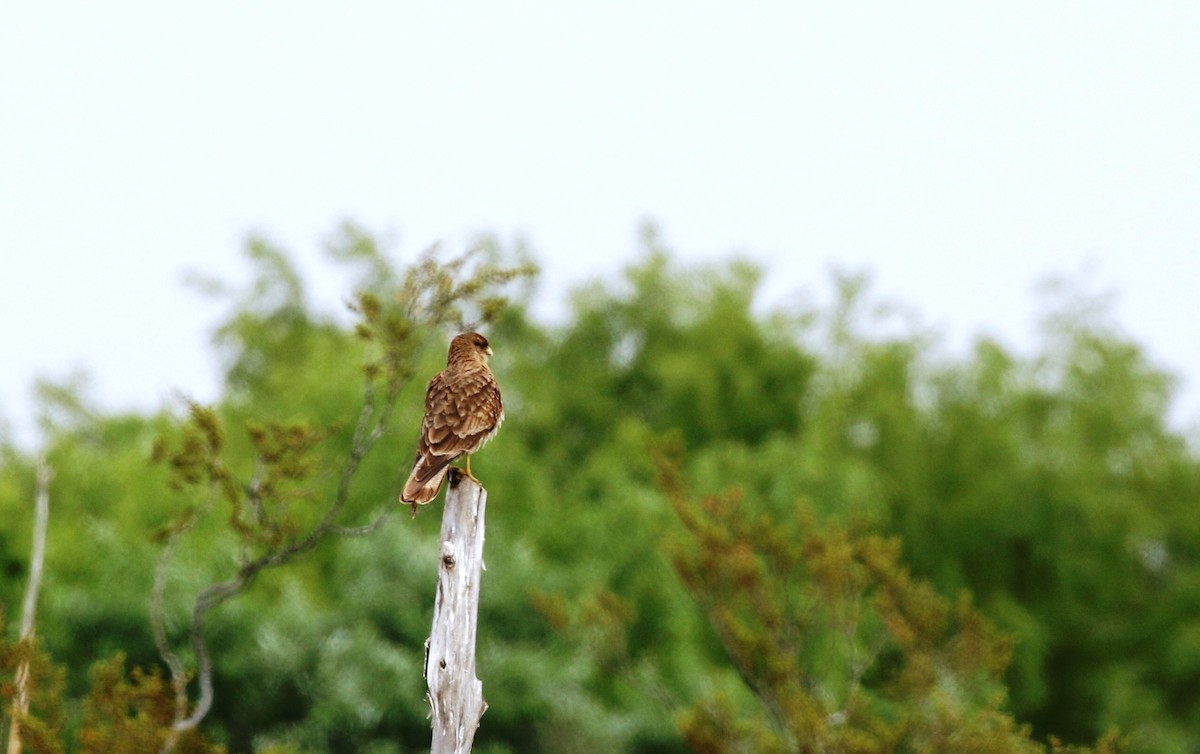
<point x="123" y="713"/>
<point x="41" y="726"/>
<point x="267" y="512"/>
<point x="847" y="482"/>
<point x="131" y="713"/>
<point x="261" y="511"/>
<point x="841" y="648"/>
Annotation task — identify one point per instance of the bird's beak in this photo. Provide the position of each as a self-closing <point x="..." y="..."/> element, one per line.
<point x="488" y="351"/>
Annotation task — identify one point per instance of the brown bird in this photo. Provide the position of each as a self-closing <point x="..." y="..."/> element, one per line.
<point x="462" y="412"/>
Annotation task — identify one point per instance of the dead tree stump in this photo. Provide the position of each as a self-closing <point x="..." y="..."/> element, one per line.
<point x="455" y="694"/>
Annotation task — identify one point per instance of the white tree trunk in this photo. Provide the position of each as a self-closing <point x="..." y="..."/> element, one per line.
<point x="28" y="611"/>
<point x="455" y="694"/>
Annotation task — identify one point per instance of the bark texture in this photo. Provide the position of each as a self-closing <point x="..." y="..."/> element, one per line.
<point x="455" y="694"/>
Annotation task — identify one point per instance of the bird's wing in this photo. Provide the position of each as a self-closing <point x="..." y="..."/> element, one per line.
<point x="472" y="405"/>
<point x="462" y="411"/>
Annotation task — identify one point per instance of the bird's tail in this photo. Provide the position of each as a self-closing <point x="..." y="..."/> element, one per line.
<point x="422" y="485"/>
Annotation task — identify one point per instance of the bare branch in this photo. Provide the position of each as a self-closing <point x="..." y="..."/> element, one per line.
<point x="208" y="599"/>
<point x="179" y="679"/>
<point x="361" y="531"/>
<point x="29" y="607"/>
<point x="367" y="433"/>
<point x="174" y="664"/>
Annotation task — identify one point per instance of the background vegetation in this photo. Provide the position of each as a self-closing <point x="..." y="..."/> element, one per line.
<point x="713" y="528"/>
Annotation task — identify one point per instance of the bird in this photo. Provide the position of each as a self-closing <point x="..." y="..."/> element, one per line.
<point x="463" y="410"/>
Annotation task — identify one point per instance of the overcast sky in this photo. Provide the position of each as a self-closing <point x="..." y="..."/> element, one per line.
<point x="959" y="151"/>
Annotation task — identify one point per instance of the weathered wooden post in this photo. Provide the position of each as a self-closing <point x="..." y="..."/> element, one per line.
<point x="455" y="694"/>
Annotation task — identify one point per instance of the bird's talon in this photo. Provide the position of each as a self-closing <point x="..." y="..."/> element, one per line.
<point x="456" y="475"/>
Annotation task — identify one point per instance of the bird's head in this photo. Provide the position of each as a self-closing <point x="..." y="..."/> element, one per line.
<point x="469" y="345"/>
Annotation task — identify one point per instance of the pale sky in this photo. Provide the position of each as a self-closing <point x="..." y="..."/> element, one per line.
<point x="960" y="152"/>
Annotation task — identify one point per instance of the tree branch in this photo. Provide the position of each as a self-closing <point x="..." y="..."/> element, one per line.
<point x="29" y="606"/>
<point x="157" y="622"/>
<point x="368" y="431"/>
<point x="397" y="314"/>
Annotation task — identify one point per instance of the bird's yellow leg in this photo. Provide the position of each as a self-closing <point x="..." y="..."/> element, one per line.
<point x="463" y="472"/>
<point x="469" y="474"/>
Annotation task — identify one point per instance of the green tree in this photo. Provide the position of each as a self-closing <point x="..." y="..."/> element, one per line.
<point x="1049" y="486"/>
<point x="278" y="505"/>
<point x="955" y="455"/>
<point x="839" y="647"/>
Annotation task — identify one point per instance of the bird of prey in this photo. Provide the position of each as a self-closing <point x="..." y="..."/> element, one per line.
<point x="462" y="412"/>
